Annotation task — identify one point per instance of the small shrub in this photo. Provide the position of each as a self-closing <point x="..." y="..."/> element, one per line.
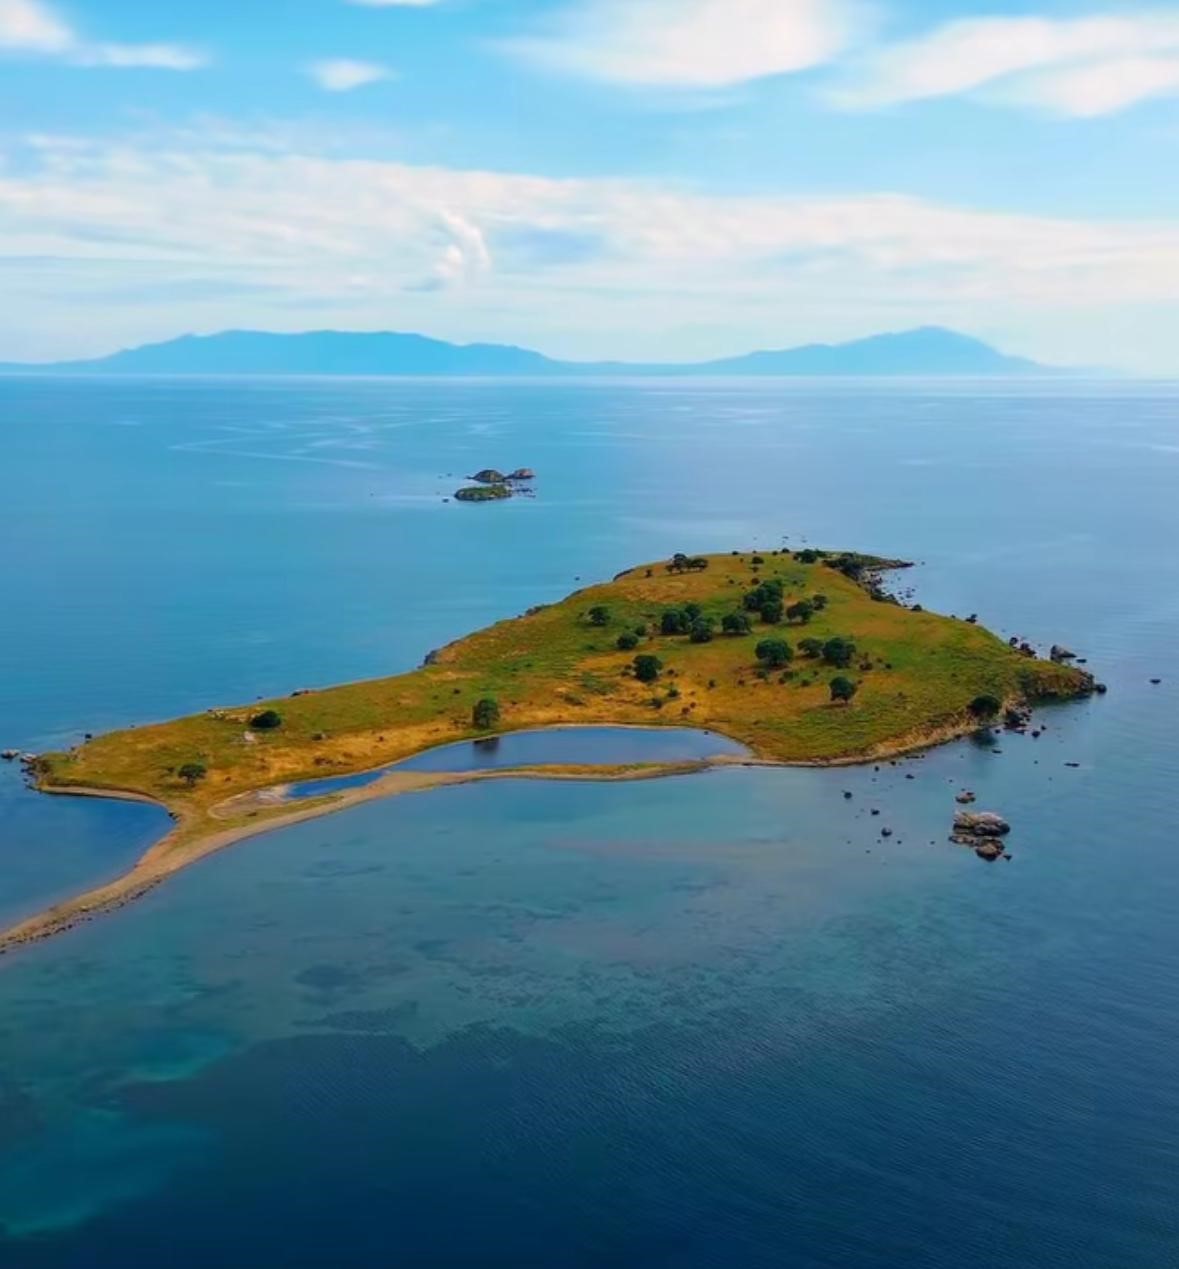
<point x="842" y="689"/>
<point x="192" y="772"/>
<point x="598" y="615"/>
<point x="627" y="641"/>
<point x="647" y="667"/>
<point x="267" y="720"/>
<point x="485" y="713"/>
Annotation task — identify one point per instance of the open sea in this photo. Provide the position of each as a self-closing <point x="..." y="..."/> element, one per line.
<point x="711" y="1021"/>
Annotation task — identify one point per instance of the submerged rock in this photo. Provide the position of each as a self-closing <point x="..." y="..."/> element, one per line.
<point x="965" y="797"/>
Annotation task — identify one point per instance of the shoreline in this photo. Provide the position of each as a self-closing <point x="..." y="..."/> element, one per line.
<point x="175" y="851"/>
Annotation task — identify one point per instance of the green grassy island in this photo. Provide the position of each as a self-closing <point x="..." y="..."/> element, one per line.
<point x="799" y="656"/>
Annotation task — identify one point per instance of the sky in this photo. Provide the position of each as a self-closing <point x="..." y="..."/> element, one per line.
<point x="639" y="179"/>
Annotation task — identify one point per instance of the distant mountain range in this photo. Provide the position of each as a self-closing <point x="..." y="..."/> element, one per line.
<point x="929" y="350"/>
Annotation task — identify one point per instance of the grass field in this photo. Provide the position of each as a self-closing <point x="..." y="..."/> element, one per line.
<point x="916" y="672"/>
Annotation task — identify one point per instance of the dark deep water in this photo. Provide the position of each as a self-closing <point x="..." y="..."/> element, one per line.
<point x="708" y="1021"/>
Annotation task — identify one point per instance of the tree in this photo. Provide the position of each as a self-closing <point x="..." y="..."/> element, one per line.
<point x="801" y="612"/>
<point x="192" y="772"/>
<point x="267" y="720"/>
<point x="771" y="611"/>
<point x="627" y="641"/>
<point x="673" y="622"/>
<point x="774" y="653"/>
<point x="819" y="602"/>
<point x="843" y="689"/>
<point x="599" y="615"/>
<point x="839" y="652"/>
<point x="647" y="667"/>
<point x="485" y="713"/>
<point x="698" y="563"/>
<point x="811" y="647"/>
<point x="736" y="623"/>
<point x="763" y="593"/>
<point x="701" y="631"/>
<point x="985" y="706"/>
<point x="691" y="612"/>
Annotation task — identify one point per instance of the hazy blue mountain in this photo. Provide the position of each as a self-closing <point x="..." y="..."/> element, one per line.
<point x="930" y="350"/>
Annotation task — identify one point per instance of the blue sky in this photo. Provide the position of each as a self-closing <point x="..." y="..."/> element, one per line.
<point x="597" y="178"/>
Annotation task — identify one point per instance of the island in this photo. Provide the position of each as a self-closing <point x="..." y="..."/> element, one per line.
<point x="801" y="656"/>
<point x="492" y="485"/>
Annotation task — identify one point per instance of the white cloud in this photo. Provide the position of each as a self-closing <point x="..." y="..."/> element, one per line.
<point x="1078" y="66"/>
<point x="227" y="237"/>
<point x="342" y="74"/>
<point x="691" y="43"/>
<point x="31" y="28"/>
<point x="28" y="26"/>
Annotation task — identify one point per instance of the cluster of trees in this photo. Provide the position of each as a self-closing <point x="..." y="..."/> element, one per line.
<point x="766" y="599"/>
<point x="837" y="651"/>
<point x="681" y="563"/>
<point x="810" y="556"/>
<point x="688" y="619"/>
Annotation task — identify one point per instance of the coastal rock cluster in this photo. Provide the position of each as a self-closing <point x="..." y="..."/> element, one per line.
<point x="982" y="832"/>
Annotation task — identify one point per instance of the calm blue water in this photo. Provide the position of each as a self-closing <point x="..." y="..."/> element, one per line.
<point x="709" y="1021"/>
<point x="573" y="745"/>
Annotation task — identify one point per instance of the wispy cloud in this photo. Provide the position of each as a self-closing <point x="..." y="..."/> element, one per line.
<point x="31" y="28"/>
<point x="343" y="74"/>
<point x="1077" y="66"/>
<point x="691" y="43"/>
<point x="410" y="239"/>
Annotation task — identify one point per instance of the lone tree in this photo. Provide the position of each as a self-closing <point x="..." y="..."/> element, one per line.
<point x="485" y="713"/>
<point x="811" y="647"/>
<point x="772" y="612"/>
<point x="801" y="612"/>
<point x="192" y="772"/>
<point x="774" y="653"/>
<point x="701" y="631"/>
<point x="985" y="706"/>
<point x="599" y="615"/>
<point x="267" y="720"/>
<point x="647" y="667"/>
<point x="839" y="652"/>
<point x="628" y="641"/>
<point x="736" y="623"/>
<point x="843" y="689"/>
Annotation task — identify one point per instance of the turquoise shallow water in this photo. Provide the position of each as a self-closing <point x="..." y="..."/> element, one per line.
<point x="713" y="1020"/>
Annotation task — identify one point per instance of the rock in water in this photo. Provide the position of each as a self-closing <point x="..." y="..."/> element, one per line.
<point x="980" y="824"/>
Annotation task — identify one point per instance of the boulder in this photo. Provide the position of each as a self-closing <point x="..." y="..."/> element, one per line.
<point x="489" y="476"/>
<point x="1059" y="653"/>
<point x="965" y="797"/>
<point x="989" y="850"/>
<point x="10" y="755"/>
<point x="980" y="824"/>
<point x="522" y="473"/>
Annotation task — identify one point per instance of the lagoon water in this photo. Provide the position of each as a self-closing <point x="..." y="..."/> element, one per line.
<point x="707" y="1021"/>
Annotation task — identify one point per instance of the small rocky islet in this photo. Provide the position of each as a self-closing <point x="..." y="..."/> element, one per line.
<point x="492" y="485"/>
